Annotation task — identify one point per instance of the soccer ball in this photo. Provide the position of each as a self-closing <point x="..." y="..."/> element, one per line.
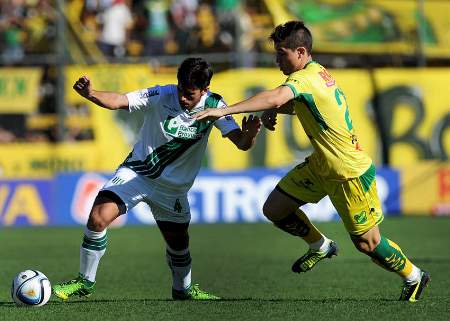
<point x="31" y="288"/>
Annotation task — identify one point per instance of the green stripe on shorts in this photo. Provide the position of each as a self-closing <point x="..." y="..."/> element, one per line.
<point x="367" y="178"/>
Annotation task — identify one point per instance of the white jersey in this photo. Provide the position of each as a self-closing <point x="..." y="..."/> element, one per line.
<point x="171" y="142"/>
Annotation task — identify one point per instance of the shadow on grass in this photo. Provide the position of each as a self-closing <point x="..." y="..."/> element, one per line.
<point x="235" y="300"/>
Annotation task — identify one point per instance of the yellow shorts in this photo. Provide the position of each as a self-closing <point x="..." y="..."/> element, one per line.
<point x="356" y="199"/>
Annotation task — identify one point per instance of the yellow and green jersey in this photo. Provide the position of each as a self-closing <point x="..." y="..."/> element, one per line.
<point x="322" y="109"/>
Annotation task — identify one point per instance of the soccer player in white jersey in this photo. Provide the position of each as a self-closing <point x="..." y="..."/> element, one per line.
<point x="159" y="171"/>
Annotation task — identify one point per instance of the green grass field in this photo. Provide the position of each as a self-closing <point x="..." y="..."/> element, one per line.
<point x="247" y="264"/>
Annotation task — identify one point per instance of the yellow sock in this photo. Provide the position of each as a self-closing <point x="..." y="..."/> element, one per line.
<point x="390" y="256"/>
<point x="408" y="265"/>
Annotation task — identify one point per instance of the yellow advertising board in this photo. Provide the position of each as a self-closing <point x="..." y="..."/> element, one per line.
<point x="416" y="116"/>
<point x="416" y="113"/>
<point x="19" y="90"/>
<point x="118" y="78"/>
<point x="413" y="103"/>
<point x="40" y="160"/>
<point x="425" y="188"/>
<point x="410" y="100"/>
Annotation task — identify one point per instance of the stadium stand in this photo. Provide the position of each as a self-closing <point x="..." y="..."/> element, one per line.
<point x="159" y="33"/>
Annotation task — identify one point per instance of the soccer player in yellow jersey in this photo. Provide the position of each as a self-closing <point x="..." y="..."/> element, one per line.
<point x="338" y="167"/>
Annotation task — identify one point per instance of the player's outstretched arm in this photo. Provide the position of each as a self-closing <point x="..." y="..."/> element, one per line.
<point x="264" y="100"/>
<point x="105" y="99"/>
<point x="245" y="138"/>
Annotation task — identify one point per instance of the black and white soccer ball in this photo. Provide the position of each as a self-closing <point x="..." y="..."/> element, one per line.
<point x="31" y="288"/>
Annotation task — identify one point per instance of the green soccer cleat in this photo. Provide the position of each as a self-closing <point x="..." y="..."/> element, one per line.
<point x="79" y="286"/>
<point x="193" y="293"/>
<point x="312" y="257"/>
<point x="412" y="292"/>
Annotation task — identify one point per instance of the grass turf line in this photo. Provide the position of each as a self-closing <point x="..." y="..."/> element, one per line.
<point x="247" y="264"/>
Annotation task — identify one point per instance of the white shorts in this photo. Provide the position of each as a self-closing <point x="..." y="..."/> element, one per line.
<point x="166" y="205"/>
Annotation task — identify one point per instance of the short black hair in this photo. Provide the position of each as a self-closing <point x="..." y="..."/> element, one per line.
<point x="194" y="73"/>
<point x="292" y="34"/>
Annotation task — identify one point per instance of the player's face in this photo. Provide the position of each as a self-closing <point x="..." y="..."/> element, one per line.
<point x="189" y="97"/>
<point x="289" y="60"/>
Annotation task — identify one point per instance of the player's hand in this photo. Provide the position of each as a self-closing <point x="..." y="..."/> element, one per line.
<point x="83" y="86"/>
<point x="251" y="126"/>
<point x="209" y="114"/>
<point x="269" y="119"/>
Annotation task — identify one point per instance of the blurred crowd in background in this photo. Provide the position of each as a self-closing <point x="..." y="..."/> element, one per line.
<point x="133" y="27"/>
<point x="160" y="27"/>
<point x="26" y="27"/>
<point x="119" y="29"/>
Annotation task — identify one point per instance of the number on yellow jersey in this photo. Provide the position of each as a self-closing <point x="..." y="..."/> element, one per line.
<point x="337" y="94"/>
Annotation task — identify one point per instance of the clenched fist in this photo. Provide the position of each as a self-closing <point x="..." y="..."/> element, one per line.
<point x="83" y="86"/>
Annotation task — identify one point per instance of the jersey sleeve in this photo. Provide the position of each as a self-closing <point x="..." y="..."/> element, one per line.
<point x="144" y="98"/>
<point x="227" y="123"/>
<point x="297" y="84"/>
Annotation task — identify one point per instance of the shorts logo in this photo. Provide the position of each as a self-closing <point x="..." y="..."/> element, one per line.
<point x="177" y="207"/>
<point x="117" y="181"/>
<point x="360" y="218"/>
<point x="307" y="183"/>
<point x="375" y="214"/>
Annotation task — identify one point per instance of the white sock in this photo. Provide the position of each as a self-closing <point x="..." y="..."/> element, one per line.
<point x="414" y="276"/>
<point x="180" y="265"/>
<point x="91" y="251"/>
<point x="321" y="245"/>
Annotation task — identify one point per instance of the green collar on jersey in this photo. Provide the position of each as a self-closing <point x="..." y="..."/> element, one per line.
<point x="309" y="62"/>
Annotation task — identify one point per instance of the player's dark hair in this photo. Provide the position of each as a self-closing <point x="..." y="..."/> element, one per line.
<point x="292" y="34"/>
<point x="194" y="73"/>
